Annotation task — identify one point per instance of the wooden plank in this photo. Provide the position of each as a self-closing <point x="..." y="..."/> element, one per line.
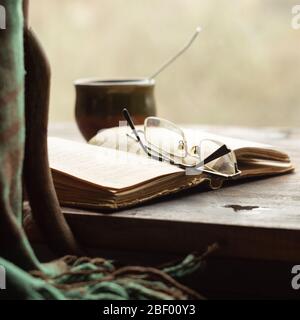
<point x="257" y="219"/>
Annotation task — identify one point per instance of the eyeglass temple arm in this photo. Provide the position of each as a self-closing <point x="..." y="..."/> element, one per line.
<point x="128" y="118"/>
<point x="150" y="152"/>
<point x="222" y="151"/>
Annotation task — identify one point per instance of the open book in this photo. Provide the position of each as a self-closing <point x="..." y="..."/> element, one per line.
<point x="113" y="173"/>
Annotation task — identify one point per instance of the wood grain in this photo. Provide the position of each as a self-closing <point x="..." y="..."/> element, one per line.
<point x="254" y="219"/>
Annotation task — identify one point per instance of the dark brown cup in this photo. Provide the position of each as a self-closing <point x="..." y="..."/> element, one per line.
<point x="99" y="103"/>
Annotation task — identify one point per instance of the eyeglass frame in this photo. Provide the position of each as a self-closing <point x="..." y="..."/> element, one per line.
<point x="159" y="155"/>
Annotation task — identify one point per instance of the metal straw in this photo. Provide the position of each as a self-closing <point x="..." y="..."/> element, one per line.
<point x="177" y="55"/>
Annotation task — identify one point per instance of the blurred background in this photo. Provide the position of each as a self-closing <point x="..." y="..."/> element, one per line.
<point x="243" y="69"/>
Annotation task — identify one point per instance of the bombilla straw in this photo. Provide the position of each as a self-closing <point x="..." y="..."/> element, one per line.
<point x="177" y="55"/>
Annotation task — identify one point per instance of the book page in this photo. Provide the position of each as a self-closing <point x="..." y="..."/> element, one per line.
<point x="245" y="150"/>
<point x="108" y="168"/>
<point x="194" y="136"/>
<point x="115" y="138"/>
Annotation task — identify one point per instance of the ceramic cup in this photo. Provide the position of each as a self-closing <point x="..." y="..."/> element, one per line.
<point x="99" y="103"/>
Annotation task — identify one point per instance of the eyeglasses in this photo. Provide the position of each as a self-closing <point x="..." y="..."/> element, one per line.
<point x="163" y="140"/>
